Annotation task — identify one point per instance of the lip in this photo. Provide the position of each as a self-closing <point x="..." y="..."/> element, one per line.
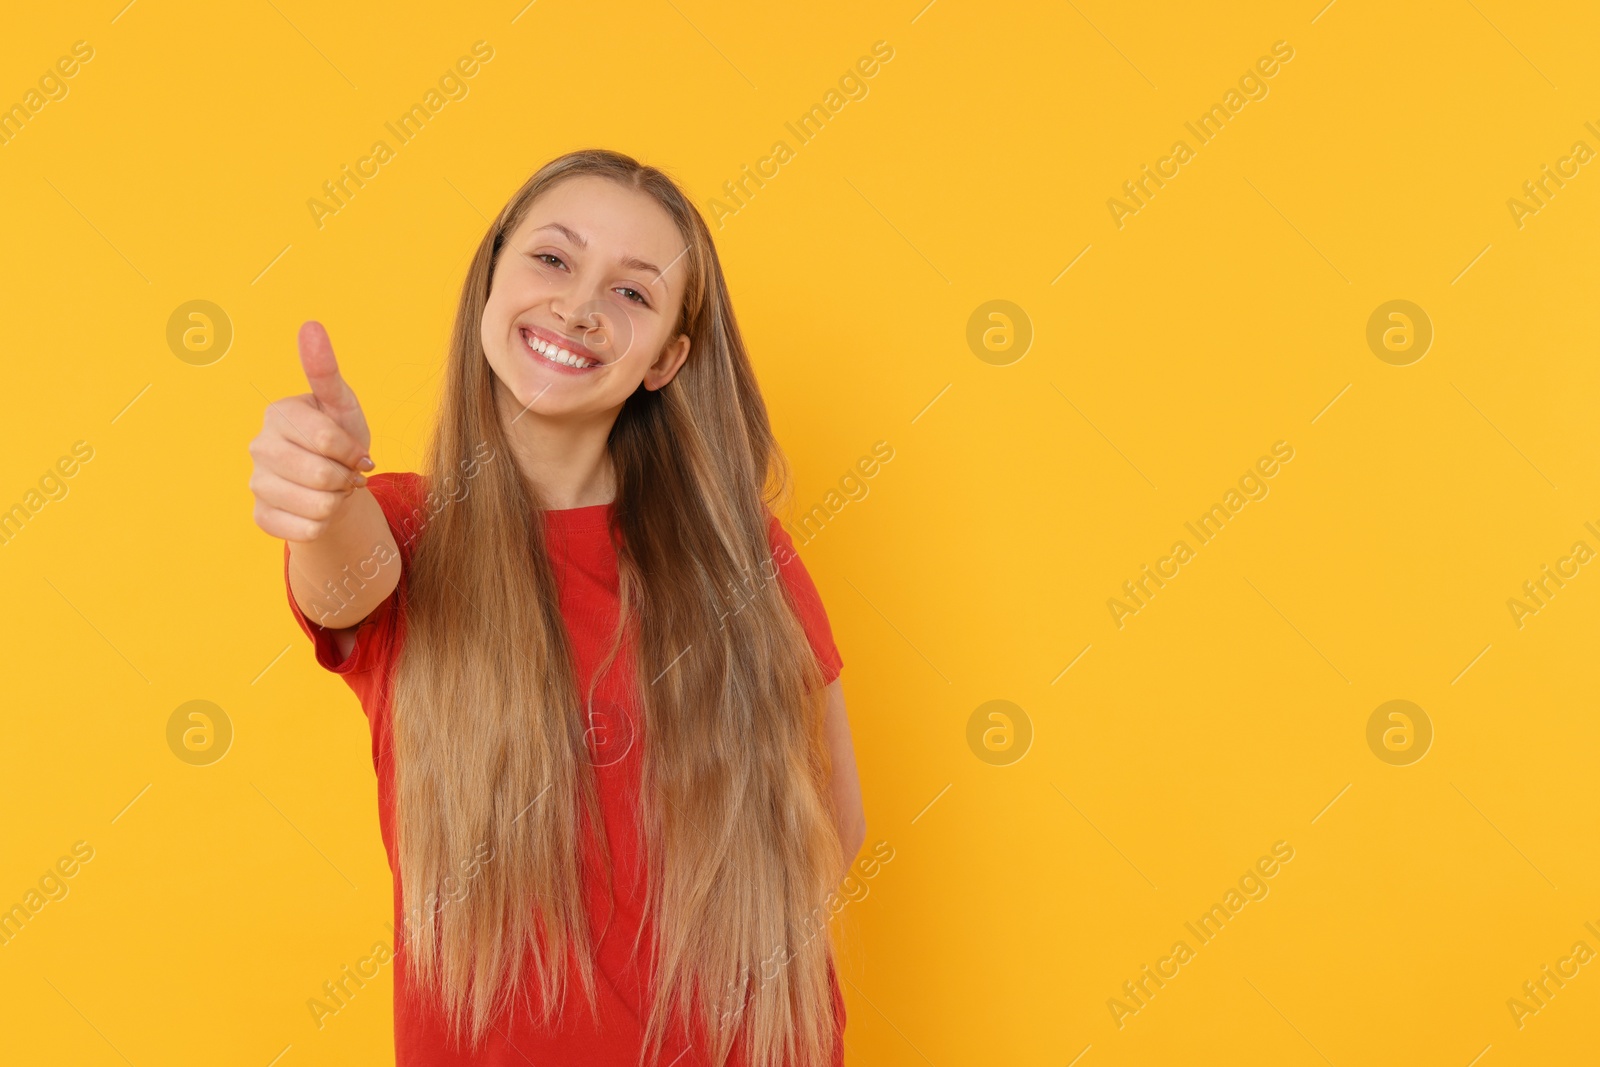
<point x="562" y="342"/>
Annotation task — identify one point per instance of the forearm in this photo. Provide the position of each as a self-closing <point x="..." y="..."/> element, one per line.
<point x="845" y="784"/>
<point x="356" y="556"/>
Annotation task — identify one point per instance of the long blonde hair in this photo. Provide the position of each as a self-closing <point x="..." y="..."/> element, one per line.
<point x="488" y="727"/>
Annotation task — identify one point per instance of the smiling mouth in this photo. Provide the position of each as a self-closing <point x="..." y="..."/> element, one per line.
<point x="554" y="354"/>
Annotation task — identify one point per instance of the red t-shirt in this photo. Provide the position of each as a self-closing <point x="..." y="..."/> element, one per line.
<point x="585" y="564"/>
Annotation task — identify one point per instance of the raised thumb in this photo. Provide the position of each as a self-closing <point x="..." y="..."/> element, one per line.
<point x="328" y="386"/>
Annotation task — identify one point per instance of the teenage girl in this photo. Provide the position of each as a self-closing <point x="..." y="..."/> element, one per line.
<point x="610" y="741"/>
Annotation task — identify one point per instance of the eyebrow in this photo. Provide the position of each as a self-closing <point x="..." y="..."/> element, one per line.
<point x="582" y="242"/>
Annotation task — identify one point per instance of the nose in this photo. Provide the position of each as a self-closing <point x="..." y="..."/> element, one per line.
<point x="577" y="306"/>
<point x="585" y="313"/>
<point x="596" y="326"/>
<point x="573" y="312"/>
<point x="587" y="325"/>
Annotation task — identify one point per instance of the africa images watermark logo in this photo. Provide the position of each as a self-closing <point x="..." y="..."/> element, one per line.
<point x="852" y="86"/>
<point x="406" y="529"/>
<point x="1252" y="485"/>
<point x="338" y="191"/>
<point x="1252" y="85"/>
<point x="1138" y="992"/>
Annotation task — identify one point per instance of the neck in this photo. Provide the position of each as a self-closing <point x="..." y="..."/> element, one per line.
<point x="565" y="458"/>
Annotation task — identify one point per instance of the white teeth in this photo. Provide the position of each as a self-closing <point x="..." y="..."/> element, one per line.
<point x="556" y="355"/>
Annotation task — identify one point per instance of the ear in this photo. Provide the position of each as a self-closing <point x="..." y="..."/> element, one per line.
<point x="666" y="365"/>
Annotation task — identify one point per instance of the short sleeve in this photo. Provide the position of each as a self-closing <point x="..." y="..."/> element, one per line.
<point x="376" y="636"/>
<point x="807" y="601"/>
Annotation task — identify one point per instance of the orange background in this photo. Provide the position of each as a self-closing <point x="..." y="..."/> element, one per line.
<point x="1040" y="860"/>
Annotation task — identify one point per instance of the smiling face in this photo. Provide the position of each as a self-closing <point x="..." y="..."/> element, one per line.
<point x="585" y="295"/>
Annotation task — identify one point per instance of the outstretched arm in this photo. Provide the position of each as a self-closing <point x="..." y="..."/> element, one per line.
<point x="310" y="490"/>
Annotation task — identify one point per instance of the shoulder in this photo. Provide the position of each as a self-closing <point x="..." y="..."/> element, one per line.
<point x="779" y="541"/>
<point x="786" y="560"/>
<point x="805" y="597"/>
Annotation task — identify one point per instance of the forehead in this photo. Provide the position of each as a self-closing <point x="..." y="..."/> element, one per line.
<point x="614" y="221"/>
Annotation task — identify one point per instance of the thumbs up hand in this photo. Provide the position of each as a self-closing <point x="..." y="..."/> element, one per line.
<point x="329" y="391"/>
<point x="312" y="449"/>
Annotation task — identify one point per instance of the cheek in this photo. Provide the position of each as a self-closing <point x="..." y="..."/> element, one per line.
<point x="490" y="335"/>
<point x="617" y="336"/>
<point x="515" y="286"/>
<point x="639" y="346"/>
<point x="505" y="303"/>
<point x="495" y="334"/>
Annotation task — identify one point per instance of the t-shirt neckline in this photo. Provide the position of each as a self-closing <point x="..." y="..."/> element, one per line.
<point x="588" y="517"/>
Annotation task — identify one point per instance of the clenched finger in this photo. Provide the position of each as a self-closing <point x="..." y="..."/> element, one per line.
<point x="283" y="525"/>
<point x="316" y="504"/>
<point x="318" y="432"/>
<point x="292" y="461"/>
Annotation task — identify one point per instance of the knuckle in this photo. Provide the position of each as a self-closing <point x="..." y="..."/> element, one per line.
<point x="324" y="506"/>
<point x="278" y="411"/>
<point x="333" y="477"/>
